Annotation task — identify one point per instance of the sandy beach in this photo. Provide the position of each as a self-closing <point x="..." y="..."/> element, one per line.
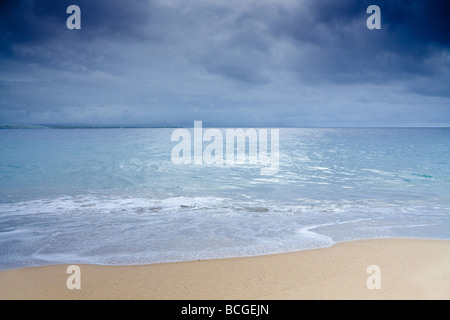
<point x="408" y="269"/>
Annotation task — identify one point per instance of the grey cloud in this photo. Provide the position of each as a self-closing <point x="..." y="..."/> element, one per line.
<point x="347" y="51"/>
<point x="225" y="62"/>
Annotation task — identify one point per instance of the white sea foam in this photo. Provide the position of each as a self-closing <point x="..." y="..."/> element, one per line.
<point x="124" y="230"/>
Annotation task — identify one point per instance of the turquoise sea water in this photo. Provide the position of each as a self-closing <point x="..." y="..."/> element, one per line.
<point x="113" y="196"/>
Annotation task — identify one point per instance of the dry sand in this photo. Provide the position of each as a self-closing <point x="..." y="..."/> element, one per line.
<point x="409" y="269"/>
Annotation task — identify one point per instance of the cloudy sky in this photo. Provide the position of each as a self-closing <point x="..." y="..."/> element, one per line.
<point x="280" y="63"/>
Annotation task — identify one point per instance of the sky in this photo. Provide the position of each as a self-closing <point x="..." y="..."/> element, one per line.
<point x="228" y="63"/>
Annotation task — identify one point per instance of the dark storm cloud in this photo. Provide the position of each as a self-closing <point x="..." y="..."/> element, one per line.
<point x="40" y="20"/>
<point x="286" y="62"/>
<point x="36" y="30"/>
<point x="413" y="34"/>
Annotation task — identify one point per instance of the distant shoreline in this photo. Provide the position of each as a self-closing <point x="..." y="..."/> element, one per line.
<point x="17" y="126"/>
<point x="7" y="126"/>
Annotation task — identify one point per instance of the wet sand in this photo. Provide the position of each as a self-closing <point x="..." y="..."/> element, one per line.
<point x="408" y="269"/>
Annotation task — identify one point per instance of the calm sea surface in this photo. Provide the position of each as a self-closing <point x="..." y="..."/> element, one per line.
<point x="113" y="196"/>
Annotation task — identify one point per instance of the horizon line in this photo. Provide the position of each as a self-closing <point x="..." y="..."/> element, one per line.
<point x="87" y="126"/>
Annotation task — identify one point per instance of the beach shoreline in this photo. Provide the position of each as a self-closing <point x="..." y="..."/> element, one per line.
<point x="407" y="269"/>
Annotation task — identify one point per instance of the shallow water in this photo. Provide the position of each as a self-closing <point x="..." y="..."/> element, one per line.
<point x="113" y="196"/>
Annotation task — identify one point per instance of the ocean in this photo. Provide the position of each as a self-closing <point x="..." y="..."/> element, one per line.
<point x="115" y="197"/>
